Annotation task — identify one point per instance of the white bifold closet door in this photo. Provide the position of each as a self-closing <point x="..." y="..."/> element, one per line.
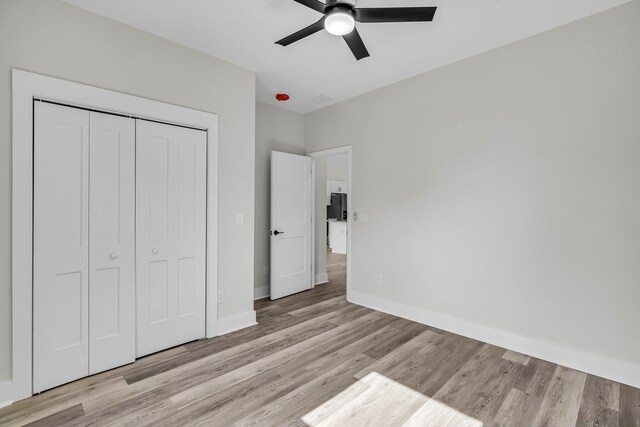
<point x="83" y="265"/>
<point x="112" y="204"/>
<point x="170" y="235"/>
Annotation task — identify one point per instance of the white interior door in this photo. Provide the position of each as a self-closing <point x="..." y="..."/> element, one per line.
<point x="171" y="175"/>
<point x="291" y="210"/>
<point x="112" y="319"/>
<point x="60" y="246"/>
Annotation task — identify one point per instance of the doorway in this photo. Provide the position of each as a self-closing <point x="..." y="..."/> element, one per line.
<point x="310" y="220"/>
<point x="333" y="216"/>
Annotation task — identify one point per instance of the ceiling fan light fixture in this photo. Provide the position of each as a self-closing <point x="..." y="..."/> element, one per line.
<point x="339" y="22"/>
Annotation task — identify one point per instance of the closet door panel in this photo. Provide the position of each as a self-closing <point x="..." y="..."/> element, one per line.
<point x="171" y="243"/>
<point x="158" y="195"/>
<point x="158" y="289"/>
<point x="191" y="228"/>
<point x="60" y="250"/>
<point x="112" y="242"/>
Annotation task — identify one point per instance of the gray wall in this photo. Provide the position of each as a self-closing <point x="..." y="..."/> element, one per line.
<point x="516" y="185"/>
<point x="279" y="130"/>
<point x="56" y="39"/>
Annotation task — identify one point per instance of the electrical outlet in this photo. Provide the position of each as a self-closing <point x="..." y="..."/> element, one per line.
<point x="220" y="296"/>
<point x="378" y="280"/>
<point x="239" y="219"/>
<point x="364" y="217"/>
<point x="266" y="270"/>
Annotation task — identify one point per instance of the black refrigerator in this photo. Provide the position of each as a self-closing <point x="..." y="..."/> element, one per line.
<point x="338" y="207"/>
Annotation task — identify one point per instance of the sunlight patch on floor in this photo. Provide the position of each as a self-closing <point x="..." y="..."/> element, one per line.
<point x="380" y="401"/>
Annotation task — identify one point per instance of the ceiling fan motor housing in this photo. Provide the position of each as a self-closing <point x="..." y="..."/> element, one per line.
<point x="340" y="7"/>
<point x="340" y="20"/>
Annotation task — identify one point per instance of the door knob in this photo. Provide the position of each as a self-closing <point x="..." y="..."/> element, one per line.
<point x="113" y="255"/>
<point x="154" y="251"/>
<point x="278" y="232"/>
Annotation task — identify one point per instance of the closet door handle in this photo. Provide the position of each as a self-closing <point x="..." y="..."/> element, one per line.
<point x="154" y="251"/>
<point x="113" y="255"/>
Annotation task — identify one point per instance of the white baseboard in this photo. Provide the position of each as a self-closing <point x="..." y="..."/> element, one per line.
<point x="322" y="278"/>
<point x="237" y="322"/>
<point x="602" y="366"/>
<point x="261" y="292"/>
<point x="7" y="403"/>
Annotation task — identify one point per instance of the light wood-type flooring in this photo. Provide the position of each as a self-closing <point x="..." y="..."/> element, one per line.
<point x="315" y="359"/>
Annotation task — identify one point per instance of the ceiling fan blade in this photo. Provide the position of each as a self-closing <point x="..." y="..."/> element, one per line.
<point x="395" y="14"/>
<point x="313" y="4"/>
<point x="311" y="29"/>
<point x="355" y="43"/>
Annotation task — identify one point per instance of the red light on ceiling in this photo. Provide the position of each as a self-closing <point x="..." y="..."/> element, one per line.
<point x="282" y="97"/>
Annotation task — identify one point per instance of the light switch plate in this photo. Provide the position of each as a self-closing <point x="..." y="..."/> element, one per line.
<point x="364" y="217"/>
<point x="239" y="219"/>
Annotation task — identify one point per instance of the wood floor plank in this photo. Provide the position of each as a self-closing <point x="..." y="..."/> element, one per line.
<point x="536" y="377"/>
<point x="331" y="304"/>
<point x="403" y="361"/>
<point x="334" y="405"/>
<point x="404" y="334"/>
<point x="58" y="399"/>
<point x="600" y="402"/>
<point x="62" y="418"/>
<point x="518" y="409"/>
<point x="561" y="403"/>
<point x="293" y="406"/>
<point x="629" y="406"/>
<point x="385" y="402"/>
<point x="515" y="357"/>
<point x="437" y="414"/>
<point x="440" y="364"/>
<point x="482" y="384"/>
<point x="150" y="415"/>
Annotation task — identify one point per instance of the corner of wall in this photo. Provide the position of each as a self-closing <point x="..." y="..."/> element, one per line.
<point x="236" y="322"/>
<point x="261" y="292"/>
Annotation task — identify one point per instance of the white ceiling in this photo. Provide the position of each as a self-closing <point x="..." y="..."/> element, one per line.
<point x="320" y="70"/>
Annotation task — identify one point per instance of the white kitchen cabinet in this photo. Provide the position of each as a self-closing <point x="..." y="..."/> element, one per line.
<point x="339" y="187"/>
<point x="338" y="236"/>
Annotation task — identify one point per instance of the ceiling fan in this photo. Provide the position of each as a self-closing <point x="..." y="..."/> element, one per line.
<point x="340" y="19"/>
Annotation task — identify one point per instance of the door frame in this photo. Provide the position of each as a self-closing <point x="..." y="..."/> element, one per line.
<point x="322" y="153"/>
<point x="28" y="86"/>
